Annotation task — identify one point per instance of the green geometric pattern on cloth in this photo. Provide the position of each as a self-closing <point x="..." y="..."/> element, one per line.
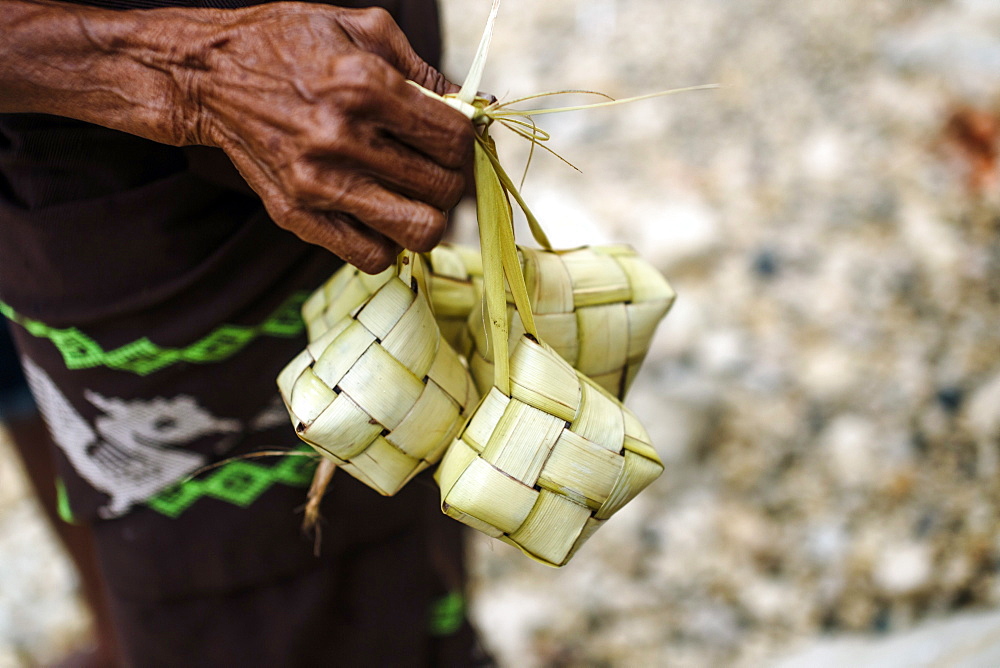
<point x="62" y="503"/>
<point x="143" y="357"/>
<point x="447" y="614"/>
<point x="239" y="482"/>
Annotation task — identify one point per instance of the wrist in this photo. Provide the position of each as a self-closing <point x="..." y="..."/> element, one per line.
<point x="135" y="71"/>
<point x="170" y="55"/>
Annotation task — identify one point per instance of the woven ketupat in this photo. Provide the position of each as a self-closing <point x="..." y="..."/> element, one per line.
<point x="454" y="276"/>
<point x="543" y="468"/>
<point x="345" y="291"/>
<point x="598" y="307"/>
<point x="548" y="455"/>
<point x="380" y="392"/>
<point x="455" y="284"/>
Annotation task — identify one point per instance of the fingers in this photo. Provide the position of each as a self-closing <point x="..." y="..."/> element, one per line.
<point x="431" y="127"/>
<point x="416" y="177"/>
<point x="411" y="224"/>
<point x="356" y="243"/>
<point x="344" y="237"/>
<point x="385" y="128"/>
<point x="323" y="170"/>
<point x="375" y="31"/>
<point x="369" y="90"/>
<point x="342" y="150"/>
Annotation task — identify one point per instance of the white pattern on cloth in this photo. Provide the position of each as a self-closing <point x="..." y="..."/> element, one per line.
<point x="131" y="451"/>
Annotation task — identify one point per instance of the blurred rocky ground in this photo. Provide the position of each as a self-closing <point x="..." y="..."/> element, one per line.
<point x="41" y="616"/>
<point x="826" y="391"/>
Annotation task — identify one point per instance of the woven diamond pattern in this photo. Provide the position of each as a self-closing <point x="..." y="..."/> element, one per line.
<point x="598" y="307"/>
<point x="543" y="468"/>
<point x="454" y="276"/>
<point x="379" y="391"/>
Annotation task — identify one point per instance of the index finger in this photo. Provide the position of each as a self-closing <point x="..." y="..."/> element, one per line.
<point x="375" y="31"/>
<point x="429" y="126"/>
<point x="401" y="111"/>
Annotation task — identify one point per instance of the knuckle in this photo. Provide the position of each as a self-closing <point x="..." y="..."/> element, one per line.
<point x="300" y="181"/>
<point x="431" y="79"/>
<point x="301" y="223"/>
<point x="308" y="186"/>
<point x="352" y="66"/>
<point x="425" y="230"/>
<point x="452" y="189"/>
<point x="443" y="189"/>
<point x="376" y="263"/>
<point x="357" y="76"/>
<point x="376" y="18"/>
<point x="284" y="217"/>
<point x="456" y="152"/>
<point x="332" y="194"/>
<point x="373" y="257"/>
<point x="465" y="137"/>
<point x="329" y="136"/>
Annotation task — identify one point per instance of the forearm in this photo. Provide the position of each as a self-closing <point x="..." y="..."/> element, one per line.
<point x="131" y="71"/>
<point x="310" y="102"/>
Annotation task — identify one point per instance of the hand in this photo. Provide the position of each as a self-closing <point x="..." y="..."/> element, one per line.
<point x="309" y="101"/>
<point x="312" y="106"/>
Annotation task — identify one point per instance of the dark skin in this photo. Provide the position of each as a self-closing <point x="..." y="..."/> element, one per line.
<point x="310" y="103"/>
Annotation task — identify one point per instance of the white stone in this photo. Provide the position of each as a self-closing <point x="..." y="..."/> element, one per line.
<point x="772" y="600"/>
<point x="827" y="542"/>
<point x="828" y="371"/>
<point x="511" y="614"/>
<point x="724" y="352"/>
<point x="851" y="441"/>
<point x="676" y="230"/>
<point x="903" y="569"/>
<point x="683" y="327"/>
<point x="824" y="155"/>
<point x="567" y="222"/>
<point x="678" y="417"/>
<point x="961" y="50"/>
<point x="982" y="413"/>
<point x="932" y="240"/>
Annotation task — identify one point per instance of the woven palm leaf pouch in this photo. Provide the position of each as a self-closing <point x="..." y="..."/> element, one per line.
<point x="455" y="284"/>
<point x="380" y="393"/>
<point x="452" y="278"/>
<point x="548" y="455"/>
<point x="598" y="307"/>
<point x="342" y="294"/>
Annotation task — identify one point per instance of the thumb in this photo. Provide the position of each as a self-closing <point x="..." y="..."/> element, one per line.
<point x="375" y="31"/>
